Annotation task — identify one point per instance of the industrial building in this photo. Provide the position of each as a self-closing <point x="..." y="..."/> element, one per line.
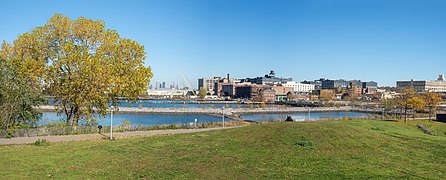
<point x="438" y="85"/>
<point x="269" y="79"/>
<point x="299" y="87"/>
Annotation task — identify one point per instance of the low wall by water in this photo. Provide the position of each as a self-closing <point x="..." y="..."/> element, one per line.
<point x="231" y="111"/>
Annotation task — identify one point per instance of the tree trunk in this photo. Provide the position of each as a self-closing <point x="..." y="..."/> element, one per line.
<point x="76" y="116"/>
<point x="405" y="115"/>
<point x="430" y="113"/>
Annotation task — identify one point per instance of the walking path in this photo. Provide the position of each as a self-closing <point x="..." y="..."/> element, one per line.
<point x="29" y="140"/>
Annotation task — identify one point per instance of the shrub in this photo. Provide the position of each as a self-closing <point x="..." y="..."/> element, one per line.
<point x="41" y="142"/>
<point x="304" y="142"/>
<point x="127" y="123"/>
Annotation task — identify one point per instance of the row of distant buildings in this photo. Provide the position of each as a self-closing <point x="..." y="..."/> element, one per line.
<point x="438" y="85"/>
<point x="270" y="88"/>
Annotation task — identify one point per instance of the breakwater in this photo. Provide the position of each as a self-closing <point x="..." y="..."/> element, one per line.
<point x="231" y="111"/>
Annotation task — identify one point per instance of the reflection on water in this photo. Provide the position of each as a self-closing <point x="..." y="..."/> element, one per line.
<point x="139" y="119"/>
<point x="172" y="104"/>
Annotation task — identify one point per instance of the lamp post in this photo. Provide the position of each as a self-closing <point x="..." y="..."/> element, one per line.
<point x="309" y="115"/>
<point x="111" y="122"/>
<point x="223" y="116"/>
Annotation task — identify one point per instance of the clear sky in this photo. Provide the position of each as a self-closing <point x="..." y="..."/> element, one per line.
<point x="381" y="40"/>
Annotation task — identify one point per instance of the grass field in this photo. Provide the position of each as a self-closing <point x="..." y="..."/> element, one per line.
<point x="311" y="150"/>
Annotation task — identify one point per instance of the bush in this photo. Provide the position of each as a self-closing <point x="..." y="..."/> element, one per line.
<point x="41" y="142"/>
<point x="304" y="142"/>
<point x="127" y="123"/>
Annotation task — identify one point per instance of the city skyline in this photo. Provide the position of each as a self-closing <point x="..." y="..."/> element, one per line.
<point x="381" y="41"/>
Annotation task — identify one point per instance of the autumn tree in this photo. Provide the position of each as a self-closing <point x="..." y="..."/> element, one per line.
<point x="202" y="92"/>
<point x="326" y="95"/>
<point x="403" y="100"/>
<point x="432" y="101"/>
<point x="81" y="63"/>
<point x="17" y="98"/>
<point x="416" y="103"/>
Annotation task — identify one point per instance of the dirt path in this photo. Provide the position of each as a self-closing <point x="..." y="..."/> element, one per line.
<point x="28" y="140"/>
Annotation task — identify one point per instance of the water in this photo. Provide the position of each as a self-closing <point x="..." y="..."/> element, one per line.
<point x="166" y="119"/>
<point x="175" y="104"/>
<point x="302" y="116"/>
<point x="140" y="119"/>
<point x="171" y="104"/>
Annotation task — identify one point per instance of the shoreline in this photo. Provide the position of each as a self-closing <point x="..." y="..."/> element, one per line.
<point x="231" y="111"/>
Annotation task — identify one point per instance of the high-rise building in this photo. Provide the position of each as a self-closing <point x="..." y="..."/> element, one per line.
<point x="208" y="83"/>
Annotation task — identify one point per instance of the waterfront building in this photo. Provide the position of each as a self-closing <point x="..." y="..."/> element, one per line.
<point x="250" y="91"/>
<point x="269" y="79"/>
<point x="317" y="83"/>
<point x="218" y="87"/>
<point x="246" y="91"/>
<point x="423" y="86"/>
<point x="208" y="83"/>
<point x="299" y="96"/>
<point x="299" y="87"/>
<point x="267" y="95"/>
<point x="228" y="90"/>
<point x="369" y="87"/>
<point x="333" y="84"/>
<point x="167" y="93"/>
<point x="281" y="92"/>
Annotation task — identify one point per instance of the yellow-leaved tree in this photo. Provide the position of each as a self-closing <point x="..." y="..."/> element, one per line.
<point x="432" y="100"/>
<point x="81" y="63"/>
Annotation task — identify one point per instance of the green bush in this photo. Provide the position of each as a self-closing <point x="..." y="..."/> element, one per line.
<point x="127" y="123"/>
<point x="41" y="142"/>
<point x="304" y="142"/>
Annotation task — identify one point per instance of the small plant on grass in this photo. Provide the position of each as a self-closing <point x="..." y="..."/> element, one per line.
<point x="377" y="129"/>
<point x="305" y="142"/>
<point x="41" y="142"/>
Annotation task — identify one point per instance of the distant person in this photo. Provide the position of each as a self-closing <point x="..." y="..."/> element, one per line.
<point x="289" y="119"/>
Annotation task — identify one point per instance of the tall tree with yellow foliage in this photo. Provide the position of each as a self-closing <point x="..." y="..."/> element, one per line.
<point x="81" y="63"/>
<point x="432" y="101"/>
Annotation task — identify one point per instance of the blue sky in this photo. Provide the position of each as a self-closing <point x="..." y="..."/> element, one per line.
<point x="381" y="40"/>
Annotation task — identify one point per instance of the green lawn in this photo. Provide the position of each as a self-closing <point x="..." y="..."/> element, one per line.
<point x="313" y="150"/>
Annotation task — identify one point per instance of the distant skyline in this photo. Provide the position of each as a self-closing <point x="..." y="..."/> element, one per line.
<point x="377" y="40"/>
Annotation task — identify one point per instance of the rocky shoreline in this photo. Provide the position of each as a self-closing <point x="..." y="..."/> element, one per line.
<point x="229" y="111"/>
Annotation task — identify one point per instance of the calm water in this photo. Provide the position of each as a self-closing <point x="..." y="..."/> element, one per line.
<point x="302" y="116"/>
<point x="165" y="119"/>
<point x="174" y="104"/>
<point x="141" y="119"/>
<point x="171" y="104"/>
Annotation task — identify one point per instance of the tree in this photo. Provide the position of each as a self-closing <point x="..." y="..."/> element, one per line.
<point x="403" y="100"/>
<point x="416" y="103"/>
<point x="326" y="95"/>
<point x="202" y="93"/>
<point x="17" y="98"/>
<point x="432" y="100"/>
<point x="81" y="63"/>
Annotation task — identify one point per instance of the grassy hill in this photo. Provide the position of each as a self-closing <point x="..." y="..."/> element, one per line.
<point x="315" y="150"/>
